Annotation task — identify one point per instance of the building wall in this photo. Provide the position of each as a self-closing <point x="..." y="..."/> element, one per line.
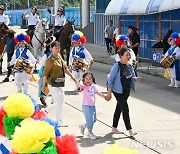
<point x="148" y="28"/>
<point x="101" y="5"/>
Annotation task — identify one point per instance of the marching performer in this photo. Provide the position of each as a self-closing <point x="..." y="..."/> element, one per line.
<point x="22" y="60"/>
<point x="79" y="58"/>
<point x="174" y="68"/>
<point x="47" y="53"/>
<point x="3" y="18"/>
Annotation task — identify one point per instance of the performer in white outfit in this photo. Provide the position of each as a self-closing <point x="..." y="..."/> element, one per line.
<point x="3" y="18"/>
<point x="174" y="68"/>
<point x="22" y="57"/>
<point x="79" y="51"/>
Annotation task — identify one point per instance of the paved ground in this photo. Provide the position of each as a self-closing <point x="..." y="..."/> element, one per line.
<point x="154" y="110"/>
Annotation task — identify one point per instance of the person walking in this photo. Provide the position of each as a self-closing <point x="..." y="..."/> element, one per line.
<point x="21" y="60"/>
<point x="134" y="38"/>
<point x="108" y="33"/>
<point x="89" y="91"/>
<point x="54" y="75"/>
<point x="9" y="48"/>
<point x="121" y="79"/>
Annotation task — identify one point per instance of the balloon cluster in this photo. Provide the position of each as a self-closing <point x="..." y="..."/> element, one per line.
<point x="30" y="131"/>
<point x="120" y="39"/>
<point x="22" y="38"/>
<point x="78" y="37"/>
<point x="115" y="148"/>
<point x="176" y="37"/>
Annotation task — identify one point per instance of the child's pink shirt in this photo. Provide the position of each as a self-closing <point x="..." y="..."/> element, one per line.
<point x="89" y="95"/>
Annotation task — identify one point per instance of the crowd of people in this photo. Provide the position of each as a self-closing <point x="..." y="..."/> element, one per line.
<point x="121" y="79"/>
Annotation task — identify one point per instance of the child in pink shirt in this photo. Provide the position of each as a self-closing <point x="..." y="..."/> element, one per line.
<point x="88" y="106"/>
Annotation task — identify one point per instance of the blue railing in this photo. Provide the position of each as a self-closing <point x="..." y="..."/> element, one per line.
<point x="70" y="13"/>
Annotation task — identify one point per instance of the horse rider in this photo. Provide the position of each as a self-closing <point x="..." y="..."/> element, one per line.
<point x="3" y="18"/>
<point x="32" y="19"/>
<point x="60" y="21"/>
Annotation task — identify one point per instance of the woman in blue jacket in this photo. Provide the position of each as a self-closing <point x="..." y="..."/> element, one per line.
<point x="122" y="78"/>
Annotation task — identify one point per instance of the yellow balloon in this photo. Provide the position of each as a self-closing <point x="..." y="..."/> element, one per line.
<point x="19" y="105"/>
<point x="31" y="136"/>
<point x="20" y="31"/>
<point x="79" y="33"/>
<point x="117" y="37"/>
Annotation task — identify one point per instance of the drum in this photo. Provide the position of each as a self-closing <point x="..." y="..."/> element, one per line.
<point x="28" y="68"/>
<point x="167" y="61"/>
<point x="79" y="63"/>
<point x="19" y="64"/>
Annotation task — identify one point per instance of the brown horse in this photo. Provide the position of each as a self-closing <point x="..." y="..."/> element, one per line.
<point x="3" y="37"/>
<point x="65" y="39"/>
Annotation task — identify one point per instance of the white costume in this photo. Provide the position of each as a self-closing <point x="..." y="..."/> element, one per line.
<point x="174" y="69"/>
<point x="79" y="52"/>
<point x="59" y="20"/>
<point x="21" y="77"/>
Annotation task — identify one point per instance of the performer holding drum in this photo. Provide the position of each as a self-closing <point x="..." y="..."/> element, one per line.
<point x="171" y="60"/>
<point x="80" y="59"/>
<point x="23" y="62"/>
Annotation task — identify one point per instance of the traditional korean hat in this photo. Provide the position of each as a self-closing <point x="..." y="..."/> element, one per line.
<point x="22" y="38"/>
<point x="120" y="39"/>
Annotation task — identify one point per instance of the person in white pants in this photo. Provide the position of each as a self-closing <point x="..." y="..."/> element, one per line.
<point x="174" y="68"/>
<point x="54" y="75"/>
<point x="22" y="54"/>
<point x="79" y="51"/>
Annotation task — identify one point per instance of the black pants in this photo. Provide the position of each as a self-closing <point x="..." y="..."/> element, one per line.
<point x="122" y="106"/>
<point x="108" y="44"/>
<point x="9" y="57"/>
<point x="31" y="27"/>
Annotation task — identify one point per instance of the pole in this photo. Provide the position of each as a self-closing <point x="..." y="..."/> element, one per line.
<point x="85" y="12"/>
<point x="57" y="4"/>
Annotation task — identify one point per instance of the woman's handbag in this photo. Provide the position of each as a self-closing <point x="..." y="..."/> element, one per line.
<point x="58" y="82"/>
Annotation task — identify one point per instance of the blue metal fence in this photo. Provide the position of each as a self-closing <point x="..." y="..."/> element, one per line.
<point x="70" y="13"/>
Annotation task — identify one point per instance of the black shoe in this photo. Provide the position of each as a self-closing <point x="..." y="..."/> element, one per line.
<point x="6" y="79"/>
<point x="0" y="71"/>
<point x="43" y="101"/>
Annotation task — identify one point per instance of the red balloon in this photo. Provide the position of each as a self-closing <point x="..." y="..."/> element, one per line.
<point x="119" y="43"/>
<point x="177" y="41"/>
<point x="38" y="115"/>
<point x="2" y="114"/>
<point x="67" y="144"/>
<point x="16" y="40"/>
<point x="82" y="39"/>
<point x="28" y="38"/>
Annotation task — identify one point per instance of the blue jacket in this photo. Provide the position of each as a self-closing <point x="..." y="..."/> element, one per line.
<point x="114" y="81"/>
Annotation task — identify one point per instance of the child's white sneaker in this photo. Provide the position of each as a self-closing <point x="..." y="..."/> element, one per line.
<point x="176" y="84"/>
<point x="81" y="127"/>
<point x="91" y="136"/>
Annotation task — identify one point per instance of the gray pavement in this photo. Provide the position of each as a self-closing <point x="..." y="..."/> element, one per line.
<point x="154" y="111"/>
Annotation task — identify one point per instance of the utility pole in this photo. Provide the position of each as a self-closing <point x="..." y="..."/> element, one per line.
<point x="85" y="12"/>
<point x="57" y="4"/>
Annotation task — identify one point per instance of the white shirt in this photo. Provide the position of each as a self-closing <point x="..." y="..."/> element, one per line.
<point x="88" y="56"/>
<point x="59" y="20"/>
<point x="32" y="19"/>
<point x="4" y="18"/>
<point x="28" y="53"/>
<point x="176" y="52"/>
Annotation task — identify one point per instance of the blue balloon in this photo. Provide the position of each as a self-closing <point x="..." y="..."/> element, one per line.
<point x="76" y="37"/>
<point x="174" y="35"/>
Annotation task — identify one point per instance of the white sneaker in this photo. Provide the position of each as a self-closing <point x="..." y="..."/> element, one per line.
<point x="62" y="124"/>
<point x="81" y="129"/>
<point x="171" y="85"/>
<point x="91" y="136"/>
<point x="176" y="84"/>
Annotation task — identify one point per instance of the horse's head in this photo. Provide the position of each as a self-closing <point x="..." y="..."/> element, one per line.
<point x="3" y="31"/>
<point x="42" y="25"/>
<point x="69" y="27"/>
